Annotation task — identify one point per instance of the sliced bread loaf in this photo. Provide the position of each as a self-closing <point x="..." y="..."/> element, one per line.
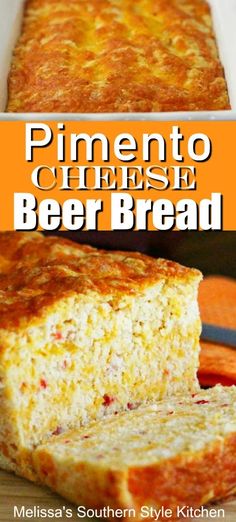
<point x="84" y="333"/>
<point x="180" y="452"/>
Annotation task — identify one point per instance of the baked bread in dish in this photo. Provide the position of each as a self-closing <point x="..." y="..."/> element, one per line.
<point x="85" y="333"/>
<point x="90" y="56"/>
<point x="176" y="453"/>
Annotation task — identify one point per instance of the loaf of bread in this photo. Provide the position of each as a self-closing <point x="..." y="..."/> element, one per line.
<point x="177" y="454"/>
<point x="85" y="333"/>
<point x="94" y="56"/>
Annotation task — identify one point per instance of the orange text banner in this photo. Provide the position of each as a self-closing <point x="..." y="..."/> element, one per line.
<point x="117" y="175"/>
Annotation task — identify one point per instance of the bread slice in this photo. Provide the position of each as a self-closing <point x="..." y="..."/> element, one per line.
<point x="84" y="333"/>
<point x="179" y="452"/>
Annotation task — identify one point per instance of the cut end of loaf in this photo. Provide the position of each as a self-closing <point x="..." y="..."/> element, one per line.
<point x="111" y="331"/>
<point x="184" y="448"/>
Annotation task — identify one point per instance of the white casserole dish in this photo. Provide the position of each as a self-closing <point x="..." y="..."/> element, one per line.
<point x="224" y="18"/>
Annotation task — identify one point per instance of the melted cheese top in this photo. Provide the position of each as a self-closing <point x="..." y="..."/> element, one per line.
<point x="116" y="56"/>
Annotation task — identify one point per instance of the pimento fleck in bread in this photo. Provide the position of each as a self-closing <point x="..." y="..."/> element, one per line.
<point x="90" y="56"/>
<point x="85" y="333"/>
<point x="178" y="452"/>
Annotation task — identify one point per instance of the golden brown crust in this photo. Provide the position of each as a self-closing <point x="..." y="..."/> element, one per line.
<point x="143" y="56"/>
<point x="211" y="474"/>
<point x="176" y="452"/>
<point x="37" y="271"/>
<point x="191" y="481"/>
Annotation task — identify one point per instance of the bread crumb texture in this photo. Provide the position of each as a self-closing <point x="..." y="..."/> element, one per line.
<point x="116" y="56"/>
<point x="173" y="453"/>
<point x="85" y="333"/>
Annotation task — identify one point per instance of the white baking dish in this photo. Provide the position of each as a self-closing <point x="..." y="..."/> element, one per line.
<point x="224" y="17"/>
